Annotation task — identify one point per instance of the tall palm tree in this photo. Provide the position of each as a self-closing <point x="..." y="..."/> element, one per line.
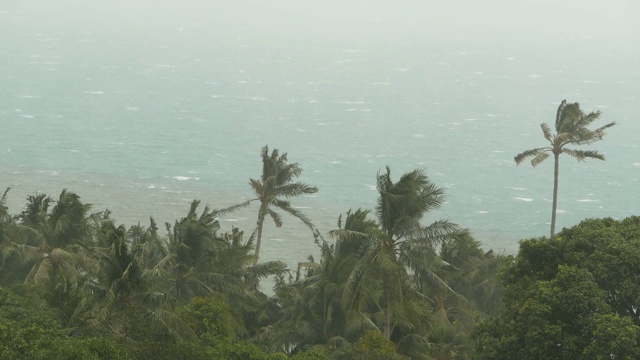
<point x="571" y="129"/>
<point x="275" y="184"/>
<point x="401" y="250"/>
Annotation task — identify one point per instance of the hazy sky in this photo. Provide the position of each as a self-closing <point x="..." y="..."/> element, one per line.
<point x="473" y="20"/>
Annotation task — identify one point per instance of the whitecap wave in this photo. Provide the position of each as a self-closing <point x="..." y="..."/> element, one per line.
<point x="252" y="98"/>
<point x="523" y="199"/>
<point x="185" y="178"/>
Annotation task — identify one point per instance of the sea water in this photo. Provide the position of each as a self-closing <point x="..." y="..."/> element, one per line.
<point x="144" y="124"/>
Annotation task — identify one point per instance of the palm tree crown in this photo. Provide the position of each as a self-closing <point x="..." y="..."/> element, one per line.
<point x="400" y="250"/>
<point x="571" y="129"/>
<point x="275" y="184"/>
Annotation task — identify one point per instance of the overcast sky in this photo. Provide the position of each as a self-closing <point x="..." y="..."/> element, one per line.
<point x="475" y="20"/>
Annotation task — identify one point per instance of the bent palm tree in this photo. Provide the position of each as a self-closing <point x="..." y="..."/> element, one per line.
<point x="571" y="129"/>
<point x="401" y="250"/>
<point x="275" y="183"/>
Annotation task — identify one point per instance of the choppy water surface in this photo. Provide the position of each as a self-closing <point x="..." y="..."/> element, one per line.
<point x="142" y="125"/>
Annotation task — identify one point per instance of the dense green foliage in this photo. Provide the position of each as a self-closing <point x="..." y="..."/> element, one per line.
<point x="29" y="334"/>
<point x="573" y="297"/>
<point x="384" y="286"/>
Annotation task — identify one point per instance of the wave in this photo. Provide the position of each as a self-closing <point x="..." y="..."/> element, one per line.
<point x="523" y="199"/>
<point x="185" y="178"/>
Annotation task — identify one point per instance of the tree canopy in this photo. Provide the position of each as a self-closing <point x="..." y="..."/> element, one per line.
<point x="574" y="297"/>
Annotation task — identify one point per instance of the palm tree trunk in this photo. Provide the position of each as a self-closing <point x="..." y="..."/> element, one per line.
<point x="555" y="194"/>
<point x="387" y="322"/>
<point x="261" y="215"/>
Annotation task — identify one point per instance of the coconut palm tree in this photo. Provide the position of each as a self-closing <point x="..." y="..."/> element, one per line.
<point x="51" y="239"/>
<point x="311" y="313"/>
<point x="6" y="220"/>
<point x="400" y="251"/>
<point x="571" y="129"/>
<point x="275" y="184"/>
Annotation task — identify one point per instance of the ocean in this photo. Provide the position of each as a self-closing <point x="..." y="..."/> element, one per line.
<point x="142" y="123"/>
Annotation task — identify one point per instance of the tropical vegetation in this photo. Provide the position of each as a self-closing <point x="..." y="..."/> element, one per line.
<point x="572" y="297"/>
<point x="75" y="284"/>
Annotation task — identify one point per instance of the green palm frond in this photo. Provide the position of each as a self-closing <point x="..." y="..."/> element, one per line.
<point x="265" y="269"/>
<point x="582" y="120"/>
<point x="559" y="113"/>
<point x="538" y="159"/>
<point x="530" y="153"/>
<point x="546" y="131"/>
<point x="295" y="189"/>
<point x="176" y="326"/>
<point x="4" y="210"/>
<point x="601" y="129"/>
<point x="286" y="206"/>
<point x="435" y="233"/>
<point x="582" y="155"/>
<point x="232" y="208"/>
<point x="276" y="217"/>
<point x="347" y="234"/>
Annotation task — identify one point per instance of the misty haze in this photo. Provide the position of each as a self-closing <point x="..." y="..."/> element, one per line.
<point x="175" y="112"/>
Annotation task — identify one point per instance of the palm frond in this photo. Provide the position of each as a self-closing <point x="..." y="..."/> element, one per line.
<point x="176" y="326"/>
<point x="295" y="189"/>
<point x="233" y="208"/>
<point x="530" y="153"/>
<point x="538" y="159"/>
<point x="582" y="155"/>
<point x="284" y="205"/>
<point x="546" y="131"/>
<point x="276" y="217"/>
